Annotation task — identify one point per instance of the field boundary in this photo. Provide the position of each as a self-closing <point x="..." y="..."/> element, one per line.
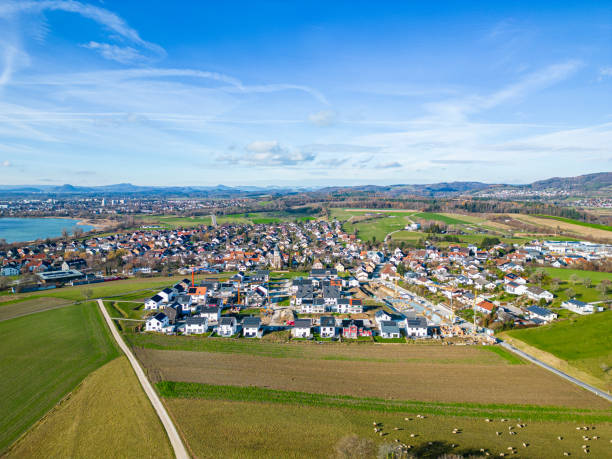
<point x="176" y="389"/>
<point x="177" y="444"/>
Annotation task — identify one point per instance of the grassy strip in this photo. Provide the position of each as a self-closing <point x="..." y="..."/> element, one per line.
<point x="577" y="222"/>
<point x="509" y="357"/>
<point x="172" y="389"/>
<point x="44" y="358"/>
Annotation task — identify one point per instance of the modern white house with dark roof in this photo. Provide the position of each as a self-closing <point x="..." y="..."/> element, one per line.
<point x="302" y="328"/>
<point x="578" y="307"/>
<point x="228" y="326"/>
<point x="389" y="329"/>
<point x="196" y="325"/>
<point x="251" y="327"/>
<point x="153" y="303"/>
<point x="536" y="312"/>
<point x="158" y="323"/>
<point x="327" y="328"/>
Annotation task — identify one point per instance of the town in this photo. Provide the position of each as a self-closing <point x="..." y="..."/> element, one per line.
<point x="318" y="281"/>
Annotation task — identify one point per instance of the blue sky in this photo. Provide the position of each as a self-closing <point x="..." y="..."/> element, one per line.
<point x="303" y="93"/>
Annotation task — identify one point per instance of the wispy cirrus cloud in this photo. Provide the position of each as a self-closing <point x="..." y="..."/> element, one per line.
<point x="122" y="54"/>
<point x="102" y="16"/>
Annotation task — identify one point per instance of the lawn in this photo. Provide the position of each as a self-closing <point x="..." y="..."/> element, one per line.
<point x="584" y="342"/>
<point x="43" y="357"/>
<point x="253" y="423"/>
<point x="108" y="412"/>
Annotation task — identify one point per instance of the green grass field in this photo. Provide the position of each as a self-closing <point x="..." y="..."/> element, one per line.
<point x="565" y="274"/>
<point x="108" y="413"/>
<point x="578" y="222"/>
<point x="45" y="356"/>
<point x="444" y="218"/>
<point x="259" y="428"/>
<point x="377" y="228"/>
<point x="584" y="342"/>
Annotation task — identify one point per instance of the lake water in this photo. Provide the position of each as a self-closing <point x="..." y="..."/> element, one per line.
<point x="29" y="229"/>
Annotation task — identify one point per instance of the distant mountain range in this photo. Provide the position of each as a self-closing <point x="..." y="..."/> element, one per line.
<point x="598" y="184"/>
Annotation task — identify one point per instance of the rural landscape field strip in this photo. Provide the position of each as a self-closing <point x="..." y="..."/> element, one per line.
<point x="107" y="412"/>
<point x="43" y="359"/>
<point x="23" y="308"/>
<point x="258" y="429"/>
<point x="176" y="389"/>
<point x="437" y="382"/>
<point x="578" y="222"/>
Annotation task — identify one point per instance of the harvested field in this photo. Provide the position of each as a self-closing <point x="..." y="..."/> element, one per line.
<point x="22" y="308"/>
<point x="579" y="230"/>
<point x="408" y="353"/>
<point x="424" y="380"/>
<point x="260" y="429"/>
<point x="108" y="412"/>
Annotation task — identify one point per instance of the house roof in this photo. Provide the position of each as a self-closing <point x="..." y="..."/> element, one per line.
<point x="537" y="310"/>
<point x="303" y="323"/>
<point x="196" y="321"/>
<point x="251" y="322"/>
<point x="327" y="321"/>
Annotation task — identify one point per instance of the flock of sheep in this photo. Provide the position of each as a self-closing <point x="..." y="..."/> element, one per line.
<point x="378" y="429"/>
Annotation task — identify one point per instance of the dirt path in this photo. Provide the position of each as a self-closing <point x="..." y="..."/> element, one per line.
<point x="175" y="439"/>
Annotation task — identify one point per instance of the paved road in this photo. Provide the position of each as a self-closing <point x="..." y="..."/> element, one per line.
<point x="532" y="359"/>
<point x="213" y="219"/>
<point x="179" y="449"/>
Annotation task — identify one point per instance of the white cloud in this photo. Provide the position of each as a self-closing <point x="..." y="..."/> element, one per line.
<point x="269" y="153"/>
<point x="102" y="16"/>
<point x="6" y="164"/>
<point x="122" y="54"/>
<point x="323" y="118"/>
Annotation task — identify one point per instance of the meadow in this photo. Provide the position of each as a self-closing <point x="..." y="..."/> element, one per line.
<point x="583" y="342"/>
<point x="260" y="428"/>
<point x="43" y="358"/>
<point x="565" y="274"/>
<point x="108" y="412"/>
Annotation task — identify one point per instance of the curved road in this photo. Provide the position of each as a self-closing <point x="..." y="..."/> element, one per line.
<point x="177" y="444"/>
<point x="584" y="385"/>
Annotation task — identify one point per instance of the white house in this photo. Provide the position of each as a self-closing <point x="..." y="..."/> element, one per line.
<point x="153" y="303"/>
<point x="515" y="289"/>
<point x="167" y="294"/>
<point x="536" y="293"/>
<point x="390" y="329"/>
<point x="536" y="312"/>
<point x="348" y="306"/>
<point x="211" y="313"/>
<point x="416" y="327"/>
<point x="302" y="328"/>
<point x="158" y="323"/>
<point x="196" y="325"/>
<point x="228" y="326"/>
<point x="251" y="327"/>
<point x="327" y="327"/>
<point x="578" y="307"/>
